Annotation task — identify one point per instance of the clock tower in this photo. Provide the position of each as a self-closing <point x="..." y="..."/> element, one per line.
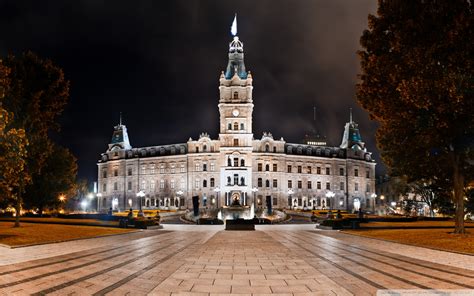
<point x="235" y="135"/>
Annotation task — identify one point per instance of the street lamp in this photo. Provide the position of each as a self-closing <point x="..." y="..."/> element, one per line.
<point x="140" y="195"/>
<point x="99" y="195"/>
<point x="217" y="190"/>
<point x="374" y="196"/>
<point x="90" y="196"/>
<point x="84" y="204"/>
<point x="254" y="190"/>
<point x="179" y="193"/>
<point x="290" y="201"/>
<point x="330" y="195"/>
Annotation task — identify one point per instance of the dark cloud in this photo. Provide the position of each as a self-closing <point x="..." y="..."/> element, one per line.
<point x="159" y="62"/>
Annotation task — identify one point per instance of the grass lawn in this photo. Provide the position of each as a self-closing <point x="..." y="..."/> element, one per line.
<point x="53" y="220"/>
<point x="36" y="233"/>
<point x="432" y="238"/>
<point x="413" y="224"/>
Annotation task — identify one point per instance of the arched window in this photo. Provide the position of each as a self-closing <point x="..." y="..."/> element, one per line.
<point x="242" y="162"/>
<point x="267" y="183"/>
<point x="259" y="182"/>
<point x="236" y="179"/>
<point x="236" y="95"/>
<point x="236" y="126"/>
<point x="267" y="148"/>
<point x="274" y="149"/>
<point x="229" y="162"/>
<point x="229" y="126"/>
<point x="204" y="148"/>
<point x="228" y="180"/>
<point x="267" y="168"/>
<point x="236" y="162"/>
<point x="242" y="181"/>
<point x="242" y="126"/>
<point x="197" y="149"/>
<point x="204" y="183"/>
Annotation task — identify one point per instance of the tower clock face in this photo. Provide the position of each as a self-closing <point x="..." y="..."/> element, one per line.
<point x="235" y="112"/>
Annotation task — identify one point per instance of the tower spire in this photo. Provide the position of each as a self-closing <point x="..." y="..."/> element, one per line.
<point x="120" y="120"/>
<point x="350" y="114"/>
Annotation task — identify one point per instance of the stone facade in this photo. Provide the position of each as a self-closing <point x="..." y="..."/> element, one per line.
<point x="236" y="167"/>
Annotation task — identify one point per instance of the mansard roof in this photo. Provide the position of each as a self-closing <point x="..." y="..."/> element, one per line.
<point x="152" y="151"/>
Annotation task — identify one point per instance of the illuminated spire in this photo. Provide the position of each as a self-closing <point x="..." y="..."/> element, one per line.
<point x="120" y="121"/>
<point x="233" y="28"/>
<point x="236" y="55"/>
<point x="350" y="114"/>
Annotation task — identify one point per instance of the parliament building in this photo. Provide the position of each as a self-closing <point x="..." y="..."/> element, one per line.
<point x="236" y="167"/>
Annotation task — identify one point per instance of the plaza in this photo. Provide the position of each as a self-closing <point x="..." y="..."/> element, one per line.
<point x="206" y="260"/>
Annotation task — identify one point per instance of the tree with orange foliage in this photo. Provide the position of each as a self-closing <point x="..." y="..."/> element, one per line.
<point x="417" y="81"/>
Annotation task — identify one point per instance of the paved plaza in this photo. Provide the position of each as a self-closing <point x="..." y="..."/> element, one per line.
<point x="206" y="260"/>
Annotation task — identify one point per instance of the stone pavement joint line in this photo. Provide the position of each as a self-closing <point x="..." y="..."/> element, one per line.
<point x="200" y="260"/>
<point x="64" y="285"/>
<point x="64" y="270"/>
<point x="400" y="258"/>
<point x="405" y="269"/>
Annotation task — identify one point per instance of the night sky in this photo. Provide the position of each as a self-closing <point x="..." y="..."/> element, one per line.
<point x="158" y="62"/>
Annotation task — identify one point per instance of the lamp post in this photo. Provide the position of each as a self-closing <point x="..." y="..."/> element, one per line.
<point x="330" y="195"/>
<point x="84" y="204"/>
<point x="254" y="190"/>
<point x="179" y="193"/>
<point x="217" y="190"/>
<point x="140" y="195"/>
<point x="290" y="203"/>
<point x="374" y="196"/>
<point x="382" y="201"/>
<point x="90" y="196"/>
<point x="99" y="195"/>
